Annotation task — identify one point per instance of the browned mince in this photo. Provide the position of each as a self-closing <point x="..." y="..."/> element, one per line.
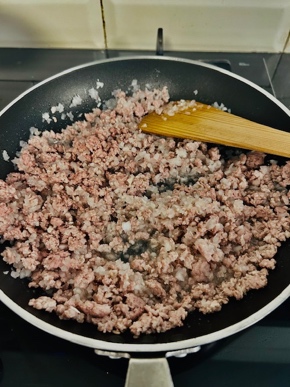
<point x="131" y="231"/>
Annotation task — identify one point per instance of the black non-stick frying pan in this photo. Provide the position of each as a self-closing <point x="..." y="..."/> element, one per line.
<point x="182" y="77"/>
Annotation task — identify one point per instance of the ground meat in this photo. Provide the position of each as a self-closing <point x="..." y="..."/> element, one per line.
<point x="130" y="231"/>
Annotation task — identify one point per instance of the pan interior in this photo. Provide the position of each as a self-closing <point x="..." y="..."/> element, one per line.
<point x="182" y="79"/>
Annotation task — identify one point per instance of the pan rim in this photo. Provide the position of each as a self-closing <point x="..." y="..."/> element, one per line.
<point x="148" y="57"/>
<point x="143" y="348"/>
<point x="156" y="347"/>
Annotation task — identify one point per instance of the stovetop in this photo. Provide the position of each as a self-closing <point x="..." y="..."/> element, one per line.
<point x="258" y="356"/>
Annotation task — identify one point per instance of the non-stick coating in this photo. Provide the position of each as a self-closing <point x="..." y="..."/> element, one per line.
<point x="182" y="79"/>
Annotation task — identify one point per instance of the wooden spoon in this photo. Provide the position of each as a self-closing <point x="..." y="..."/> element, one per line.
<point x="200" y="122"/>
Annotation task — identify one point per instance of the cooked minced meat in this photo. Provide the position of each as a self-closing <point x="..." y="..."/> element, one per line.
<point x="131" y="231"/>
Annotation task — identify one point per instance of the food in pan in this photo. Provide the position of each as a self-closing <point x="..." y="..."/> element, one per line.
<point x="131" y="231"/>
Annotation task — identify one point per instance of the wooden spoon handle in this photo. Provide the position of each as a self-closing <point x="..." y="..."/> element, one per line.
<point x="209" y="124"/>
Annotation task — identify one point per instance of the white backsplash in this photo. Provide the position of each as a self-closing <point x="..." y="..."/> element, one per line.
<point x="51" y="24"/>
<point x="189" y="25"/>
<point x="287" y="46"/>
<point x="199" y="25"/>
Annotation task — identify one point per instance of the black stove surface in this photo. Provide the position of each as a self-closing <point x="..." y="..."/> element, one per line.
<point x="258" y="356"/>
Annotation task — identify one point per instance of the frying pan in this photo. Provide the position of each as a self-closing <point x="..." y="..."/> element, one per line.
<point x="148" y="353"/>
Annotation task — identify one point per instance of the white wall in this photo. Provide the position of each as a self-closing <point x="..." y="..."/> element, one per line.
<point x="189" y="25"/>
